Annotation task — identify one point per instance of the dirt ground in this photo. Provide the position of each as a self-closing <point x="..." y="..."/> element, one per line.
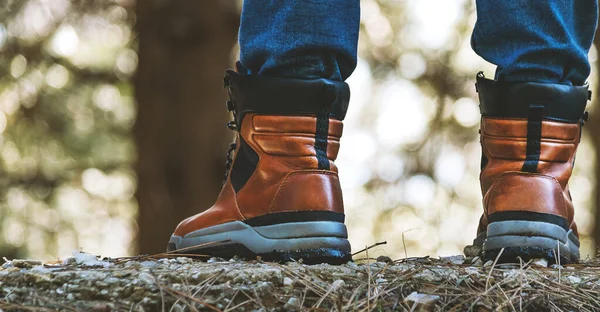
<point x="152" y="283"/>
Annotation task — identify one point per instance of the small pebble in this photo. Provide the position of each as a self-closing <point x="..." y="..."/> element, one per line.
<point x="12" y="297"/>
<point x="177" y="308"/>
<point x="292" y="304"/>
<point x="146" y="278"/>
<point x="421" y="299"/>
<point x="460" y="259"/>
<point x="338" y="285"/>
<point x="148" y="264"/>
<point x="472" y="250"/>
<point x="184" y="260"/>
<point x="574" y="279"/>
<point x="540" y="262"/>
<point x="353" y="265"/>
<point x="132" y="264"/>
<point x="121" y="274"/>
<point x="112" y="280"/>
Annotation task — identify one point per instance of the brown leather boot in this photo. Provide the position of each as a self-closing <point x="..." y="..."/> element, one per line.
<point x="281" y="199"/>
<point x="529" y="135"/>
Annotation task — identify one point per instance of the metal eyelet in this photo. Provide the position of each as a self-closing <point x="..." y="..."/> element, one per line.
<point x="230" y="105"/>
<point x="232" y="125"/>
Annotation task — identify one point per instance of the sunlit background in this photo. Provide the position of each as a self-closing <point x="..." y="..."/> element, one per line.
<point x="409" y="161"/>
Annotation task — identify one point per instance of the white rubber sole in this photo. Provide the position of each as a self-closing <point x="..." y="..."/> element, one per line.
<point x="315" y="239"/>
<point x="530" y="239"/>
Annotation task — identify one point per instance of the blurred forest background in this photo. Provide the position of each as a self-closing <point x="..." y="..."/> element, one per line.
<point x="112" y="126"/>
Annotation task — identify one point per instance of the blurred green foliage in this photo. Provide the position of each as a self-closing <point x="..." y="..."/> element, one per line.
<point x="66" y="111"/>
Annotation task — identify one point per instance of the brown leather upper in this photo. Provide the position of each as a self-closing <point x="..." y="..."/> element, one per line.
<point x="506" y="188"/>
<point x="286" y="177"/>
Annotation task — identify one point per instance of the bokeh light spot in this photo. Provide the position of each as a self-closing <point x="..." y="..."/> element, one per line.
<point x="57" y="76"/>
<point x="9" y="100"/>
<point x="107" y="97"/>
<point x="65" y="41"/>
<point x="18" y="66"/>
<point x="127" y="62"/>
<point x="450" y="166"/>
<point x="466" y="112"/>
<point x="3" y="122"/>
<point x="412" y="65"/>
<point x="419" y="190"/>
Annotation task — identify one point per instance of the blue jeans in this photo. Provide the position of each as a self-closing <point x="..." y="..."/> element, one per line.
<point x="299" y="38"/>
<point x="529" y="40"/>
<point x="536" y="40"/>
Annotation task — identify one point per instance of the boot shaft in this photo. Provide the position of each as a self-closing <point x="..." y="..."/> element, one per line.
<point x="289" y="133"/>
<point x="505" y="145"/>
<point x="529" y="137"/>
<point x="291" y="140"/>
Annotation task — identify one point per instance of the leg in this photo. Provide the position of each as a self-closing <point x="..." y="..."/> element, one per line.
<point x="536" y="40"/>
<point x="281" y="198"/>
<point x="531" y="124"/>
<point x="299" y="39"/>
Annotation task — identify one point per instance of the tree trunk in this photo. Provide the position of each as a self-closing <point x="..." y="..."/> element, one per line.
<point x="184" y="48"/>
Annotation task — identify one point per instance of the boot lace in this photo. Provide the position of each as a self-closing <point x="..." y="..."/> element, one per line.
<point x="232" y="125"/>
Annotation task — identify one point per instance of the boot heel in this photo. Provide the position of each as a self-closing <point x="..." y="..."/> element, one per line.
<point x="530" y="240"/>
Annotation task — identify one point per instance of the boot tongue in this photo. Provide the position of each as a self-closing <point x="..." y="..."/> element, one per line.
<point x="514" y="99"/>
<point x="284" y="96"/>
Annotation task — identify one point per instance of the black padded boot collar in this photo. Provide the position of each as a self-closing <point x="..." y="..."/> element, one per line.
<point x="514" y="99"/>
<point x="284" y="96"/>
